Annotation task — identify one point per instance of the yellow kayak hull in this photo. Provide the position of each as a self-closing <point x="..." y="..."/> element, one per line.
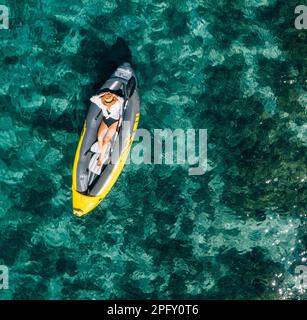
<point x="83" y="204"/>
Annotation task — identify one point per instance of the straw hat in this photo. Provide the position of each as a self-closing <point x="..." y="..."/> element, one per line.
<point x="108" y="98"/>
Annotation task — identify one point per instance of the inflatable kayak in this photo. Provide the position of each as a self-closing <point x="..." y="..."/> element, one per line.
<point x="91" y="184"/>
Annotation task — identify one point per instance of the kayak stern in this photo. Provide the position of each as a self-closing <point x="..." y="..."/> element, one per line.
<point x="83" y="204"/>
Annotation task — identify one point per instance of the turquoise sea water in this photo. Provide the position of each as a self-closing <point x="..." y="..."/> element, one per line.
<point x="236" y="68"/>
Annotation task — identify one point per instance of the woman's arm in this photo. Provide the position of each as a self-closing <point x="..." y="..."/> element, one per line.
<point x="96" y="100"/>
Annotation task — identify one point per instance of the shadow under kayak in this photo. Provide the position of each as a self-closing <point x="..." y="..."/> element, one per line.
<point x="89" y="187"/>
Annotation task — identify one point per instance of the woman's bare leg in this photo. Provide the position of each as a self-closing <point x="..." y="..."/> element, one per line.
<point x="103" y="129"/>
<point x="106" y="140"/>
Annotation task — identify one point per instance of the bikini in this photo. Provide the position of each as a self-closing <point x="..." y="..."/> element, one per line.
<point x="109" y="121"/>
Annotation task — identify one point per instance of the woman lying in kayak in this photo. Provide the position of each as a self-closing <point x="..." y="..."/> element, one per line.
<point x="110" y="105"/>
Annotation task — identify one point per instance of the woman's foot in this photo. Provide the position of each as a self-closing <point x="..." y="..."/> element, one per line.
<point x="99" y="162"/>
